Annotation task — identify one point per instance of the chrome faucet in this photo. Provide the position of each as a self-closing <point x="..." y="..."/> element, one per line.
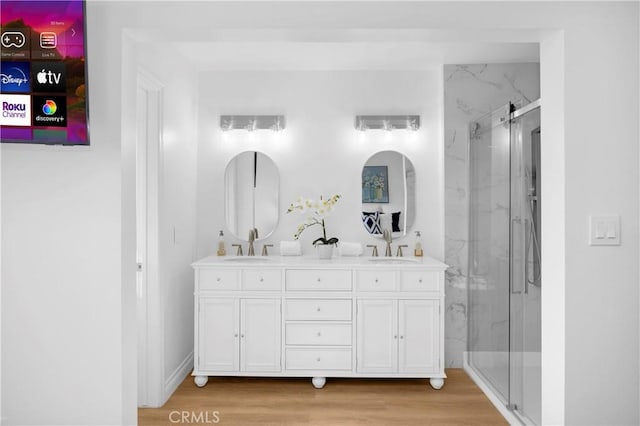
<point x="388" y="237"/>
<point x="253" y="233"/>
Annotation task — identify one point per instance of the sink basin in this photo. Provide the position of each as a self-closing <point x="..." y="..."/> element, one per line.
<point x="393" y="260"/>
<point x="248" y="259"/>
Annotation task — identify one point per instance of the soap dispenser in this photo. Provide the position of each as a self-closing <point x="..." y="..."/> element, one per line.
<point x="417" y="251"/>
<point x="222" y="251"/>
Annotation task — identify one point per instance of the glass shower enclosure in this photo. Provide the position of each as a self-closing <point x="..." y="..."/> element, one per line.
<point x="504" y="283"/>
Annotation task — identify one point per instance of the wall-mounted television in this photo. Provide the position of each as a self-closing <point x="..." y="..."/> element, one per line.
<point x="43" y="77"/>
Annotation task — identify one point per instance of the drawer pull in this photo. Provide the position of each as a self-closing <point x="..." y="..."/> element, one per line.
<point x="318" y="360"/>
<point x="261" y="279"/>
<point x="318" y="309"/>
<point x="319" y="280"/>
<point x="420" y="280"/>
<point x="218" y="279"/>
<point x="376" y="280"/>
<point x="319" y="334"/>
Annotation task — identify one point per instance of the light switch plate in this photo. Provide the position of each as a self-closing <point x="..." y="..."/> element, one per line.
<point x="604" y="230"/>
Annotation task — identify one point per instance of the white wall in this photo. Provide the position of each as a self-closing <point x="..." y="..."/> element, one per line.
<point x="177" y="205"/>
<point x="61" y="280"/>
<point x="320" y="152"/>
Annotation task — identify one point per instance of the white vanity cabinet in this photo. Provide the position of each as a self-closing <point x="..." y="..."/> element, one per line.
<point x="346" y="317"/>
<point x="398" y="336"/>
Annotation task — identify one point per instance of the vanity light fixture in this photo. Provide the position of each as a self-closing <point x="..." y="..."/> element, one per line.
<point x="387" y="122"/>
<point x="252" y="122"/>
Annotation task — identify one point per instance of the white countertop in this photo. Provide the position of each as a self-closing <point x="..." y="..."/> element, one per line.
<point x="408" y="262"/>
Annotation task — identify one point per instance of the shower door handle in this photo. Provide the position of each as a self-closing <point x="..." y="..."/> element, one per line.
<point x="526" y="256"/>
<point x="512" y="249"/>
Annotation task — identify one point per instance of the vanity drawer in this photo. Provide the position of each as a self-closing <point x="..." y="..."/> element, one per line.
<point x="318" y="280"/>
<point x="318" y="359"/>
<point x="420" y="281"/>
<point x="318" y="309"/>
<point x="262" y="279"/>
<point x="376" y="280"/>
<point x="318" y="334"/>
<point x="218" y="279"/>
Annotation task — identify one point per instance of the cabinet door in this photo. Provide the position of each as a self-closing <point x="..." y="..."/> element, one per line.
<point x="260" y="335"/>
<point x="377" y="344"/>
<point x="218" y="334"/>
<point x="419" y="330"/>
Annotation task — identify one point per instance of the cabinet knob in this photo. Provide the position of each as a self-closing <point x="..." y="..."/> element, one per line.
<point x="235" y="335"/>
<point x="319" y="334"/>
<point x="376" y="280"/>
<point x="242" y="336"/>
<point x="395" y="337"/>
<point x="318" y="360"/>
<point x="318" y="309"/>
<point x="319" y="279"/>
<point x="218" y="279"/>
<point x="261" y="279"/>
<point x="420" y="280"/>
<point x="402" y="337"/>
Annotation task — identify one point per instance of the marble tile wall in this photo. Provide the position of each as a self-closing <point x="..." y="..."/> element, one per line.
<point x="470" y="91"/>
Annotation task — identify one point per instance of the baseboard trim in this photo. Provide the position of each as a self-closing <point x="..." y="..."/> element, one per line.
<point x="508" y="415"/>
<point x="178" y="375"/>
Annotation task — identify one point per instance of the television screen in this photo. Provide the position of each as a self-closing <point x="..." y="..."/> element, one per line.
<point x="43" y="91"/>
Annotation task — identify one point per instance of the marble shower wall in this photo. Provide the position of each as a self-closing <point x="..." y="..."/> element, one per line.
<point x="470" y="91"/>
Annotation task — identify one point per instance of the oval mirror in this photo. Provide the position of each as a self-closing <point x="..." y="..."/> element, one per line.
<point x="252" y="186"/>
<point x="388" y="194"/>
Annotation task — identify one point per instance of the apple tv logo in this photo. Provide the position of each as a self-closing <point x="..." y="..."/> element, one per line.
<point x="48" y="77"/>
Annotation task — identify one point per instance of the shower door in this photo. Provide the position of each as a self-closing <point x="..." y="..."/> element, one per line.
<point x="504" y="257"/>
<point x="525" y="289"/>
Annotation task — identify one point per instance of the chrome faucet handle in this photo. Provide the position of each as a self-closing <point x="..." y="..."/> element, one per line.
<point x="374" y="252"/>
<point x="265" y="252"/>
<point x="399" y="252"/>
<point x="239" y="252"/>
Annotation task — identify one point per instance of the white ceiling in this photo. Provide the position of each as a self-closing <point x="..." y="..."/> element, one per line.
<point x="412" y="55"/>
<point x="343" y="49"/>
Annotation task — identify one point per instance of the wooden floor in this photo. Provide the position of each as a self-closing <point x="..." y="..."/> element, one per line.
<point x="285" y="401"/>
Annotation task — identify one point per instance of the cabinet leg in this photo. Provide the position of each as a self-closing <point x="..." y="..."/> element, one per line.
<point x="200" y="381"/>
<point x="436" y="383"/>
<point x="318" y="382"/>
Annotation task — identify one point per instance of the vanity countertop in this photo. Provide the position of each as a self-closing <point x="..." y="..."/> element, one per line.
<point x="408" y="262"/>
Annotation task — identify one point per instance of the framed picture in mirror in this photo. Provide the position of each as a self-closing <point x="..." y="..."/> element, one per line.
<point x="375" y="184"/>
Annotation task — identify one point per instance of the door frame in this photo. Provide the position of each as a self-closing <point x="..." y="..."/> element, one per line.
<point x="150" y="316"/>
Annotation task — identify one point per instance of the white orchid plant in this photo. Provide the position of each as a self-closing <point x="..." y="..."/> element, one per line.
<point x="316" y="211"/>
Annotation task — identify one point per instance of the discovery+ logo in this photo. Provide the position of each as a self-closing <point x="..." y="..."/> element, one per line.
<point x="14" y="77"/>
<point x="50" y="111"/>
<point x="49" y="77"/>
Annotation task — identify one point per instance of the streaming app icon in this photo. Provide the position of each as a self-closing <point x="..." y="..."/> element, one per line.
<point x="50" y="111"/>
<point x="15" y="43"/>
<point x="48" y="76"/>
<point x="48" y="40"/>
<point x="13" y="39"/>
<point x="16" y="110"/>
<point x="15" y="77"/>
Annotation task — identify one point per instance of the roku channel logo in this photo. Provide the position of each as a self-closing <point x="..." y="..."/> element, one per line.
<point x="16" y="110"/>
